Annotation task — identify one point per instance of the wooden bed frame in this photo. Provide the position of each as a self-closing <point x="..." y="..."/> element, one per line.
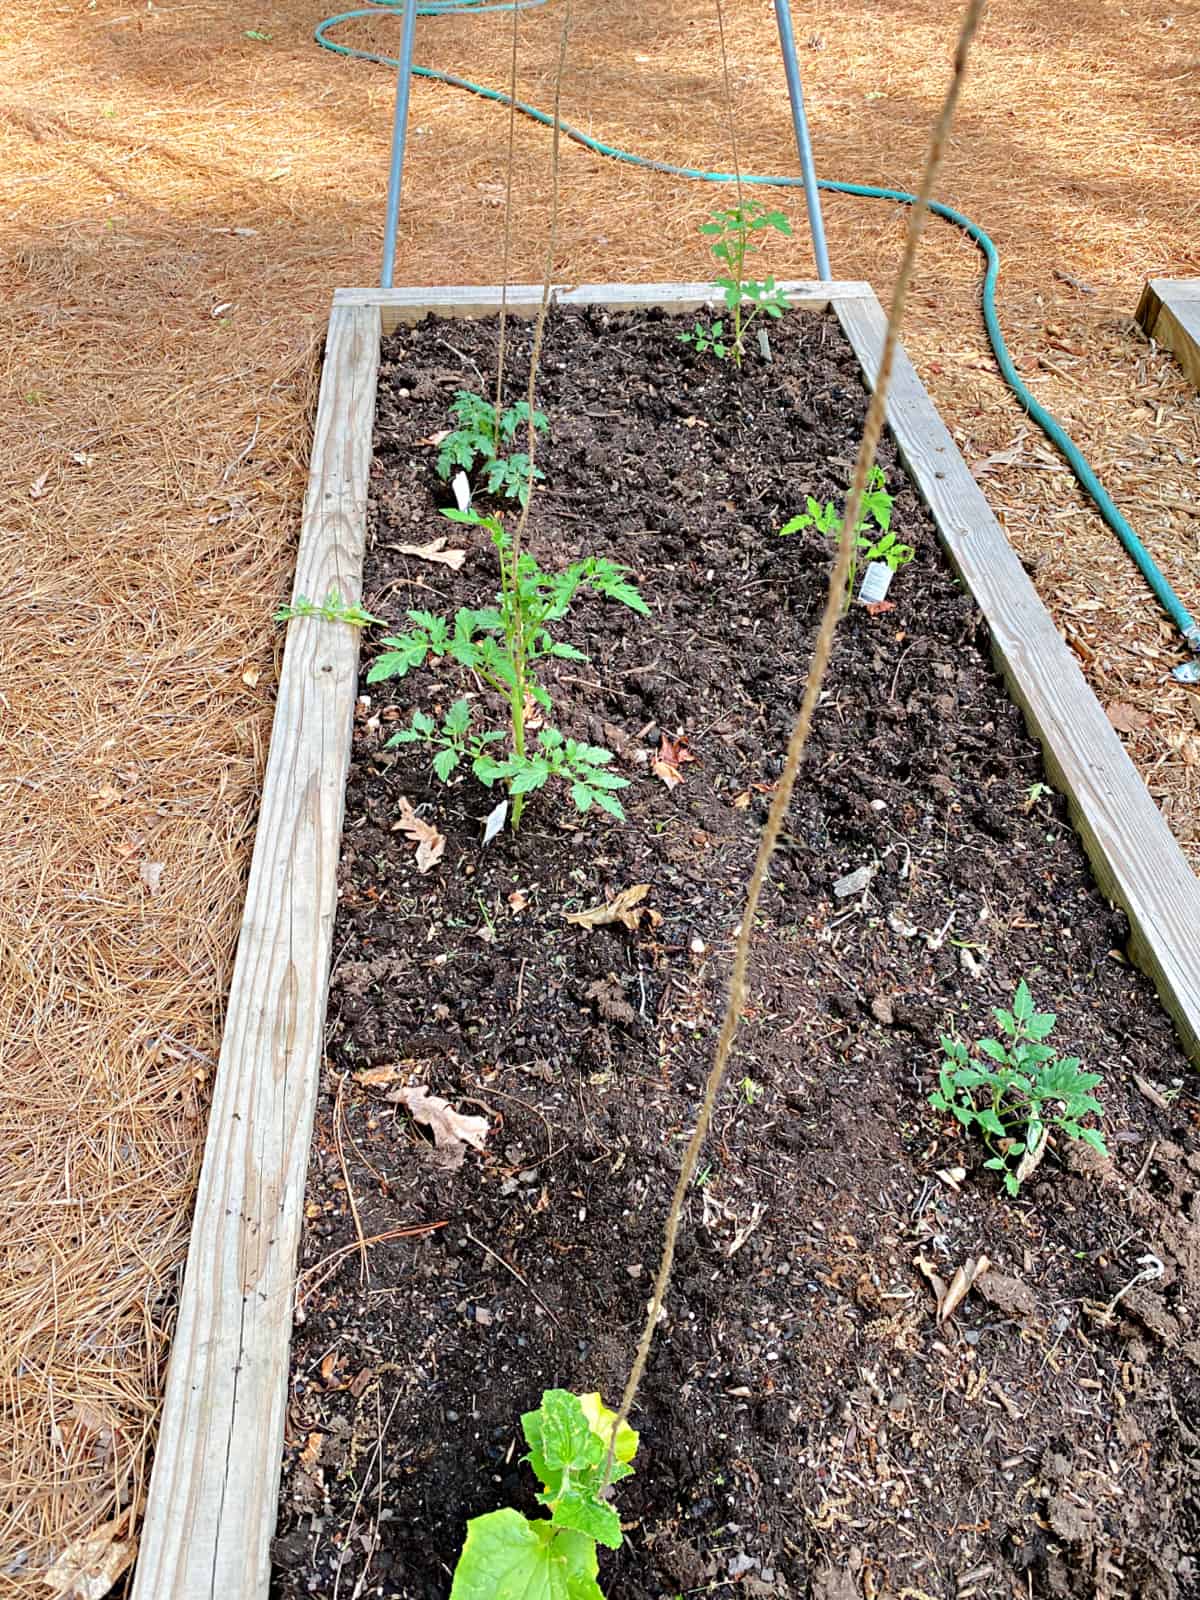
<point x="1169" y="311"/>
<point x="213" y="1493"/>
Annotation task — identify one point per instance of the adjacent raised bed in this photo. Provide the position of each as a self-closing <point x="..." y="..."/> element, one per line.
<point x="1169" y="311"/>
<point x="849" y="1133"/>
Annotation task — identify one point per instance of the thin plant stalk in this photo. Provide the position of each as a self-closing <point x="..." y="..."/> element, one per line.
<point x="822" y="649"/>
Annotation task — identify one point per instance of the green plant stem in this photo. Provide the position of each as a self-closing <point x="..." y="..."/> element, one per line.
<point x="737" y="174"/>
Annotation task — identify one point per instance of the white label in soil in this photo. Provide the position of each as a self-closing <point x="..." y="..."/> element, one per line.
<point x="877" y="580"/>
<point x="462" y="490"/>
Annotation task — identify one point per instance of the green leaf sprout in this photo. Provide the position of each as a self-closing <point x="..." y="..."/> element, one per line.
<point x="733" y="233"/>
<point x="876" y="508"/>
<point x="478" y="438"/>
<point x="510" y="1557"/>
<point x="1027" y="1089"/>
<point x="503" y="646"/>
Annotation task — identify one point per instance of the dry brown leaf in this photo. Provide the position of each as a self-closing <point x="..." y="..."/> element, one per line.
<point x="1126" y="718"/>
<point x="960" y="1285"/>
<point x="329" y="1373"/>
<point x="951" y="1295"/>
<point x="518" y="900"/>
<point x="436" y="438"/>
<point x="937" y="1282"/>
<point x="626" y="908"/>
<point x="999" y="458"/>
<point x="89" y="1567"/>
<point x="38" y="487"/>
<point x="879" y="608"/>
<point x="435" y="550"/>
<point x="452" y="1131"/>
<point x="671" y="757"/>
<point x="610" y="1001"/>
<point x="251" y="676"/>
<point x="431" y="845"/>
<point x="107" y="796"/>
<point x="741" y="801"/>
<point x="311" y="1453"/>
<point x="377" y="1077"/>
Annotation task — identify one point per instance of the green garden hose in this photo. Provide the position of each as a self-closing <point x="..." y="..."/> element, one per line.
<point x="1049" y="425"/>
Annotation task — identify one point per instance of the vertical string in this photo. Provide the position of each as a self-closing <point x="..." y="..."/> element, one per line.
<point x="822" y="649"/>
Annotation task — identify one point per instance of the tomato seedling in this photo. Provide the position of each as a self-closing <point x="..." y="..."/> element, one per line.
<point x="1020" y="1090"/>
<point x="734" y="233"/>
<point x="503" y="645"/>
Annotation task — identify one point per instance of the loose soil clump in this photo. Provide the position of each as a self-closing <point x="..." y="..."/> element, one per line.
<point x="808" y="1426"/>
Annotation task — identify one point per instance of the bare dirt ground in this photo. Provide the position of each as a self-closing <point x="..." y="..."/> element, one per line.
<point x="179" y="200"/>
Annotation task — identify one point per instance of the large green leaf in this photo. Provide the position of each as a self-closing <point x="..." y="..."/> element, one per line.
<point x="507" y="1557"/>
<point x="600" y="1421"/>
<point x="581" y="1511"/>
<point x="560" y="1438"/>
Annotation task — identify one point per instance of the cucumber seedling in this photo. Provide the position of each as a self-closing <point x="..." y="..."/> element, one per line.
<point x="510" y="1557"/>
<point x="734" y="234"/>
<point x="504" y="645"/>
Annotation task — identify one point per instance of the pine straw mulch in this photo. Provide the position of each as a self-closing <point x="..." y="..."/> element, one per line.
<point x="178" y="202"/>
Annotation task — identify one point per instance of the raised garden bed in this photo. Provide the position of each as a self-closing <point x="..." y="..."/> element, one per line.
<point x="1169" y="311"/>
<point x="806" y="1421"/>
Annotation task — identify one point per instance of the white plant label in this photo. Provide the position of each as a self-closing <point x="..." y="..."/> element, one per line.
<point x="877" y="580"/>
<point x="462" y="490"/>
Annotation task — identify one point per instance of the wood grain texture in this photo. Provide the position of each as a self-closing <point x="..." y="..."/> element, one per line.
<point x="406" y="306"/>
<point x="1134" y="856"/>
<point x="213" y="1493"/>
<point x="402" y="307"/>
<point x="1169" y="311"/>
<point x="805" y="295"/>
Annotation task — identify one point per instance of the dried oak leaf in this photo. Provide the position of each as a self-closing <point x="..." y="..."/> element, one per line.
<point x="435" y="550"/>
<point x="452" y="1131"/>
<point x="672" y="755"/>
<point x="1126" y="718"/>
<point x="431" y="845"/>
<point x="626" y="908"/>
<point x="377" y="1077"/>
<point x="89" y="1567"/>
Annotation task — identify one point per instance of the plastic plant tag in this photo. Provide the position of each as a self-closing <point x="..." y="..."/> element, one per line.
<point x="495" y="821"/>
<point x="462" y="490"/>
<point x="877" y="580"/>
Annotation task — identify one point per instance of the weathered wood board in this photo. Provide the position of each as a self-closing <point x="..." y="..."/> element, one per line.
<point x="215" y="1483"/>
<point x="1169" y="311"/>
<point x="1134" y="855"/>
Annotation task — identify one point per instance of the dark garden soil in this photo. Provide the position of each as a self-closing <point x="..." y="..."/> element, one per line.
<point x="807" y="1425"/>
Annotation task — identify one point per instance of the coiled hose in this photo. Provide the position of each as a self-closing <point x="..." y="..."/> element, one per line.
<point x="1050" y="426"/>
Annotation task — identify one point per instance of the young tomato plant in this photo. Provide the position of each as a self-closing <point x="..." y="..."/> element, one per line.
<point x="877" y="509"/>
<point x="504" y="645"/>
<point x="1021" y="1088"/>
<point x="479" y="436"/>
<point x="510" y="1557"/>
<point x="734" y="234"/>
<point x="334" y="609"/>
